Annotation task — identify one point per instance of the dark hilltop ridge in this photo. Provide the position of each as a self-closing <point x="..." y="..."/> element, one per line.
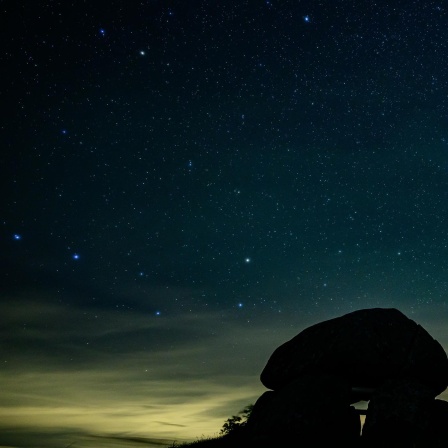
<point x="377" y="355"/>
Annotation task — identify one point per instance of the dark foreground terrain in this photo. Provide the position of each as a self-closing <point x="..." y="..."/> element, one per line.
<point x="238" y="442"/>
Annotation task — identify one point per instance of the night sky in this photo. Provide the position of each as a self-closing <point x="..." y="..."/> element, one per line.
<point x="188" y="184"/>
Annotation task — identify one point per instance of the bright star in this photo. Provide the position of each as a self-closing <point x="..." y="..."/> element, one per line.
<point x="17" y="237"/>
<point x="75" y="257"/>
<point x="158" y="313"/>
<point x="247" y="260"/>
<point x="102" y="31"/>
<point x="142" y="53"/>
<point x="240" y="305"/>
<point x="64" y="131"/>
<point x="306" y="19"/>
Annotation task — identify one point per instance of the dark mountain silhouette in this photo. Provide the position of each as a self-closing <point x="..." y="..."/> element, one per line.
<point x="377" y="355"/>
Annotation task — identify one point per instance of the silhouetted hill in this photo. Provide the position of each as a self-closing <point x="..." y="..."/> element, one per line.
<point x="377" y="355"/>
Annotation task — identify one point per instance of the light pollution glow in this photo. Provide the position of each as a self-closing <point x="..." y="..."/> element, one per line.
<point x="95" y="382"/>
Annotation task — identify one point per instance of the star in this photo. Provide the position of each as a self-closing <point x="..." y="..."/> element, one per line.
<point x="142" y="53"/>
<point x="102" y="31"/>
<point x="306" y="19"/>
<point x="240" y="305"/>
<point x="17" y="237"/>
<point x="75" y="257"/>
<point x="247" y="260"/>
<point x="158" y="313"/>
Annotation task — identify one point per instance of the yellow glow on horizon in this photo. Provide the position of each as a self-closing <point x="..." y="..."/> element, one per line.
<point x="180" y="390"/>
<point x="78" y="401"/>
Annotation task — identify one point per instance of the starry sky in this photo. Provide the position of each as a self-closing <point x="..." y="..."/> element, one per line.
<point x="187" y="185"/>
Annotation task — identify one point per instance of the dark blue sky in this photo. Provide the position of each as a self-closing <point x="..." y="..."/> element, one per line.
<point x="185" y="172"/>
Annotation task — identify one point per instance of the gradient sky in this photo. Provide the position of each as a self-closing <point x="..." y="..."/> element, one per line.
<point x="187" y="185"/>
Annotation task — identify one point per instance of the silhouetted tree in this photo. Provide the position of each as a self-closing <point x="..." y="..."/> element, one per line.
<point x="234" y="424"/>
